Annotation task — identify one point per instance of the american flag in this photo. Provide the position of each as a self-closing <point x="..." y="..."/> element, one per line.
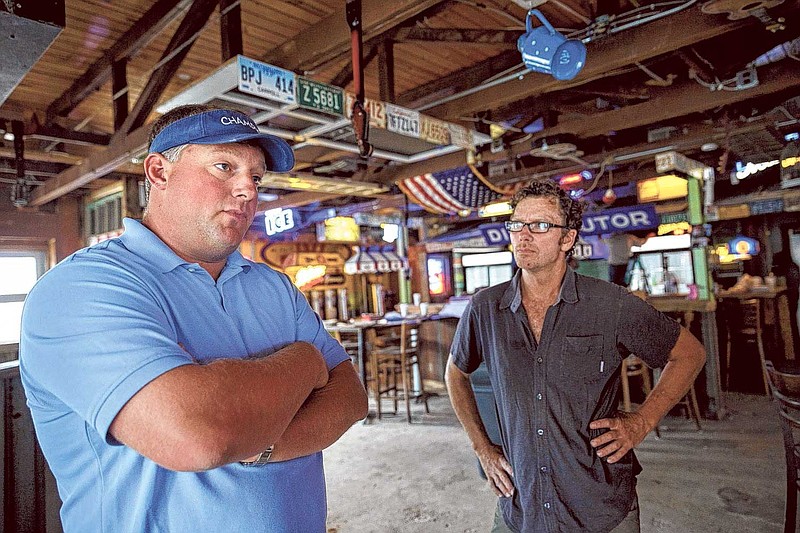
<point x="451" y="191"/>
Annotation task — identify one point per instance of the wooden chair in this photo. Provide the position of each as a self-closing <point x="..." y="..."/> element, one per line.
<point x="349" y="342"/>
<point x="786" y="390"/>
<point x="633" y="367"/>
<point x="744" y="322"/>
<point x="393" y="357"/>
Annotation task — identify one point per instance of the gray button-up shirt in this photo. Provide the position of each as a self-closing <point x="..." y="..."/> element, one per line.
<point x="547" y="393"/>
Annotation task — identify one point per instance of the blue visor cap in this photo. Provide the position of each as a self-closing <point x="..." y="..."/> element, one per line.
<point x="221" y="126"/>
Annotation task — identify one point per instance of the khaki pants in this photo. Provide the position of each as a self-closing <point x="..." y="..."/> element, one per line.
<point x="630" y="524"/>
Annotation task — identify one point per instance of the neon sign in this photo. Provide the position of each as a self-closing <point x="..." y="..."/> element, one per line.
<point x="743" y="171"/>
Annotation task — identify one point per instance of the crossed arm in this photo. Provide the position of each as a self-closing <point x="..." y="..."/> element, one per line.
<point x="197" y="417"/>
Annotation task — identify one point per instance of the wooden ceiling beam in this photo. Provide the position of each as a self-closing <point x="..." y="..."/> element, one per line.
<point x="685" y="99"/>
<point x="99" y="164"/>
<point x="458" y="35"/>
<point x="296" y="199"/>
<point x="128" y="45"/>
<point x="603" y="57"/>
<point x="177" y="49"/>
<point x="461" y="80"/>
<point x="330" y="38"/>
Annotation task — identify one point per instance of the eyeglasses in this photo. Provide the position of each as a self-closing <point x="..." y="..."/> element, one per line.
<point x="534" y="227"/>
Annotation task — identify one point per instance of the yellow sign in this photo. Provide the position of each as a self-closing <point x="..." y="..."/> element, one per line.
<point x="308" y="276"/>
<point x="727" y="212"/>
<point x="343" y="229"/>
<point x="660" y="188"/>
<point x="434" y="131"/>
<point x="674" y="228"/>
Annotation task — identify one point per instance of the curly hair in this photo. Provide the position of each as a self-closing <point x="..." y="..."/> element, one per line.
<point x="571" y="210"/>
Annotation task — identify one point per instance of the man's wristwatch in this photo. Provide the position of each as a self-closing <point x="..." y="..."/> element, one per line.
<point x="262" y="459"/>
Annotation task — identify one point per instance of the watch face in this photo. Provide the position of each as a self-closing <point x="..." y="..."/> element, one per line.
<point x="262" y="459"/>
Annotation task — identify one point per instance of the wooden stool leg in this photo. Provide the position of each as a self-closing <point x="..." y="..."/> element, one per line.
<point x="626" y="388"/>
<point x="423" y="395"/>
<point x="376" y="384"/>
<point x="695" y="407"/>
<point x="646" y="384"/>
<point x="767" y="391"/>
<point x="728" y="359"/>
<point x="406" y="386"/>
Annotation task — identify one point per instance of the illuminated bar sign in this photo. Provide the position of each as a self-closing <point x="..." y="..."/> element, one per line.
<point x="632" y="218"/>
<point x="341" y="229"/>
<point x="662" y="188"/>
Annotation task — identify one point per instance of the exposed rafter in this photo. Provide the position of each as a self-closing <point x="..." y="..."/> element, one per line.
<point x="457" y="35"/>
<point x="330" y="38"/>
<point x="128" y="45"/>
<point x="605" y="56"/>
<point x="176" y="51"/>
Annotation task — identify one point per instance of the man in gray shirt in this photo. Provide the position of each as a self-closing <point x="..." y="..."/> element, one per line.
<point x="554" y="343"/>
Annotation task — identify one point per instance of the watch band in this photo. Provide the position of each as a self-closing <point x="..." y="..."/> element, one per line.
<point x="262" y="459"/>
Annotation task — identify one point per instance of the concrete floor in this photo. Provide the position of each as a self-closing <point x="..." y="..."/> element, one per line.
<point x="390" y="476"/>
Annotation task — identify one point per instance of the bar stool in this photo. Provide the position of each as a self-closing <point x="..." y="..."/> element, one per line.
<point x="636" y="367"/>
<point x="633" y="367"/>
<point x="392" y="361"/>
<point x="786" y="389"/>
<point x="747" y="324"/>
<point x="349" y="342"/>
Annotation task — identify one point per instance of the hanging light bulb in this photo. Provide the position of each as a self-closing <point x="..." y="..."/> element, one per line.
<point x="609" y="197"/>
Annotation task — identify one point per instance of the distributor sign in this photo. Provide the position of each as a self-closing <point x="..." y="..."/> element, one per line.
<point x="621" y="219"/>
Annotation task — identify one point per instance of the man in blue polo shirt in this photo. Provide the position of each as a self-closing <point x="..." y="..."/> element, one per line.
<point x="174" y="385"/>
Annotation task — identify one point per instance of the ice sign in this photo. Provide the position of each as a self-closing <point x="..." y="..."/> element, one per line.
<point x="278" y="220"/>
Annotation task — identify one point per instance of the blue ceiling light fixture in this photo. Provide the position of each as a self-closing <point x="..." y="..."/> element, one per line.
<point x="545" y="50"/>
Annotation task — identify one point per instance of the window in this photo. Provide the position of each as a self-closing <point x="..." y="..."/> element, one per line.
<point x="104" y="215"/>
<point x="486" y="276"/>
<point x="486" y="269"/>
<point x="18" y="272"/>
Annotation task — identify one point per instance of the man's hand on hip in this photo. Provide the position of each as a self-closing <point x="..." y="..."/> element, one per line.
<point x="625" y="432"/>
<point x="497" y="470"/>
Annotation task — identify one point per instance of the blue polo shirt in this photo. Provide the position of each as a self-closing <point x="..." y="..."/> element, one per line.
<point x="109" y="319"/>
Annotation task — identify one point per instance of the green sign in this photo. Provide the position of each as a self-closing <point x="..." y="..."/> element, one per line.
<point x="673" y="218"/>
<point x="320" y="96"/>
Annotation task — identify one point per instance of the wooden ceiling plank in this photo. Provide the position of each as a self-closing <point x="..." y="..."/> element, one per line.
<point x="456" y="35"/>
<point x="177" y="49"/>
<point x="604" y="56"/>
<point x="296" y="199"/>
<point x="463" y="78"/>
<point x="685" y="99"/>
<point x="139" y="35"/>
<point x="330" y="37"/>
<point x="92" y="167"/>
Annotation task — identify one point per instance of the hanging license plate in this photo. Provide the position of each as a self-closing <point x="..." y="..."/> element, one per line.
<point x="320" y="96"/>
<point x="266" y="81"/>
